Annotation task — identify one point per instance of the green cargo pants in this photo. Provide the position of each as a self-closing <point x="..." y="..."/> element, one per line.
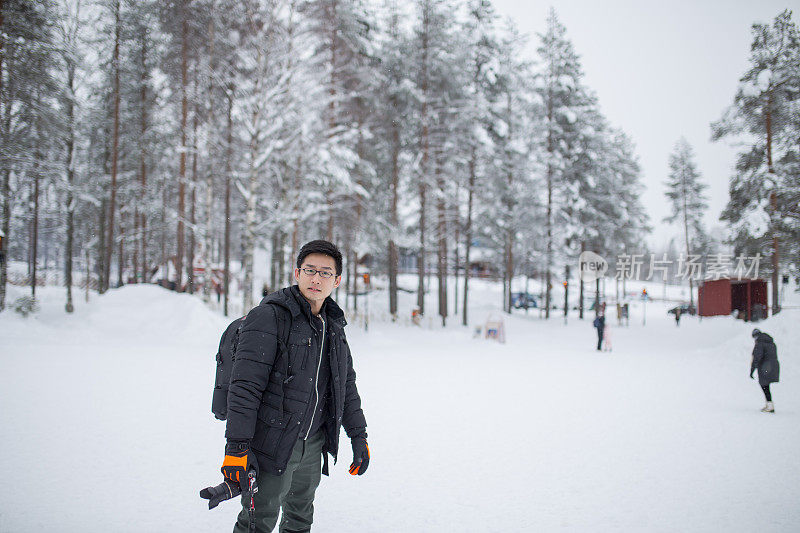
<point x="293" y="491"/>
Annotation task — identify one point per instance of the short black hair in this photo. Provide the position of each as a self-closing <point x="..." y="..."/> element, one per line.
<point x="321" y="247"/>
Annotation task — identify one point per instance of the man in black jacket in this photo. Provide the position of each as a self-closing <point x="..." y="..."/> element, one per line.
<point x="292" y="387"/>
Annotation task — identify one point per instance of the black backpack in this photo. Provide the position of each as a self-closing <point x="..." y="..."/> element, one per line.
<point x="222" y="381"/>
<point x="225" y="357"/>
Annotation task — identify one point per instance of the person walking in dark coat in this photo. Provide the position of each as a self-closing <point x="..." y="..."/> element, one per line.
<point x="600" y="324"/>
<point x="293" y="387"/>
<point x="765" y="360"/>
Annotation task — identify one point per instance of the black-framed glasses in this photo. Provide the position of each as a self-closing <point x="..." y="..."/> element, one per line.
<point x="324" y="274"/>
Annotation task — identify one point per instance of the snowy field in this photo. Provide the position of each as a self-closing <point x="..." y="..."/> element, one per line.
<point x="106" y="423"/>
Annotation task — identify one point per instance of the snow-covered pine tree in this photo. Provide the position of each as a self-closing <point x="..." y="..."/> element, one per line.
<point x="69" y="30"/>
<point x="561" y="92"/>
<point x="592" y="217"/>
<point x="260" y="85"/>
<point x="304" y="103"/>
<point x="393" y="133"/>
<point x="140" y="96"/>
<point x="432" y="39"/>
<point x="688" y="203"/>
<point x="114" y="12"/>
<point x="27" y="105"/>
<point x="480" y="34"/>
<point x="511" y="190"/>
<point x="448" y="79"/>
<point x="760" y="191"/>
<point x="633" y="222"/>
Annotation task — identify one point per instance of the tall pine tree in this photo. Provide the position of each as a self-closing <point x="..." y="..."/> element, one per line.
<point x="688" y="204"/>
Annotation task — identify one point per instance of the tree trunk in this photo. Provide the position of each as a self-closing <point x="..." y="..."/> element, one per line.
<point x="88" y="274"/>
<point x="100" y="264"/>
<point x="281" y="258"/>
<point x="773" y="211"/>
<point x="468" y="234"/>
<point x="393" y="218"/>
<point x="580" y="296"/>
<point x="228" y="171"/>
<point x="353" y="260"/>
<point x="182" y="163"/>
<point x="356" y="228"/>
<point x="211" y="171"/>
<point x="684" y="194"/>
<point x="424" y="165"/>
<point x="442" y="244"/>
<point x="4" y="228"/>
<point x="249" y="238"/>
<point x="70" y="208"/>
<point x="456" y="242"/>
<point x="549" y="255"/>
<point x="509" y="251"/>
<point x="295" y="217"/>
<point x="142" y="229"/>
<point x="508" y="274"/>
<point x="120" y="255"/>
<point x="274" y="275"/>
<point x="5" y="232"/>
<point x="192" y="196"/>
<point x="332" y="119"/>
<point x="114" y="152"/>
<point x="34" y="240"/>
<point x="295" y="247"/>
<point x="348" y="281"/>
<point x="164" y="259"/>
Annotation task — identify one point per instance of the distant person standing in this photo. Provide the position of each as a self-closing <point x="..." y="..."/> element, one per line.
<point x="678" y="316"/>
<point x="600" y="324"/>
<point x="765" y="360"/>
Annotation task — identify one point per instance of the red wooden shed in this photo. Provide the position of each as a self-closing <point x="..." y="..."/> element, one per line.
<point x="723" y="296"/>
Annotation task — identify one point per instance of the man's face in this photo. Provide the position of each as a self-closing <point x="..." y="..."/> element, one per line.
<point x="316" y="288"/>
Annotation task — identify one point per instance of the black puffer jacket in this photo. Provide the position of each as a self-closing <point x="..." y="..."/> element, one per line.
<point x="765" y="359"/>
<point x="272" y="384"/>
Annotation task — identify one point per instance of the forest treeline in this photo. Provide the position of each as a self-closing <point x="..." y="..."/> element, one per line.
<point x="146" y="140"/>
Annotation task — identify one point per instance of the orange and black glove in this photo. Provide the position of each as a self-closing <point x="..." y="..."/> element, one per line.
<point x="360" y="456"/>
<point x="238" y="461"/>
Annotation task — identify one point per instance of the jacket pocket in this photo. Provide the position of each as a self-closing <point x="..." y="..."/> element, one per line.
<point x="298" y="354"/>
<point x="270" y="431"/>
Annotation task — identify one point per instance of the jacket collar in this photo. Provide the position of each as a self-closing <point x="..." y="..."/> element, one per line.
<point x="293" y="300"/>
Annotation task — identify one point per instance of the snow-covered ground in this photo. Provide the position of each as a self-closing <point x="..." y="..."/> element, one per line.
<point x="106" y="423"/>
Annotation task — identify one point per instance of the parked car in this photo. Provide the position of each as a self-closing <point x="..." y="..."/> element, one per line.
<point x="686" y="309"/>
<point x="522" y="300"/>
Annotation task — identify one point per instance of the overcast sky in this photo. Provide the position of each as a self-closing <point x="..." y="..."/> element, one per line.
<point x="660" y="70"/>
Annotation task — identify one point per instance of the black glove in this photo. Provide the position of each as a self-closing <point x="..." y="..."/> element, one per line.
<point x="224" y="491"/>
<point x="238" y="462"/>
<point x="360" y="456"/>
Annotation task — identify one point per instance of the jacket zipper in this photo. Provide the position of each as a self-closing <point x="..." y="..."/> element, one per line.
<point x="316" y="379"/>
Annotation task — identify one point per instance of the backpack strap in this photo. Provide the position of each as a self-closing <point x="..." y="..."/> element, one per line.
<point x="283" y="348"/>
<point x="236" y="337"/>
